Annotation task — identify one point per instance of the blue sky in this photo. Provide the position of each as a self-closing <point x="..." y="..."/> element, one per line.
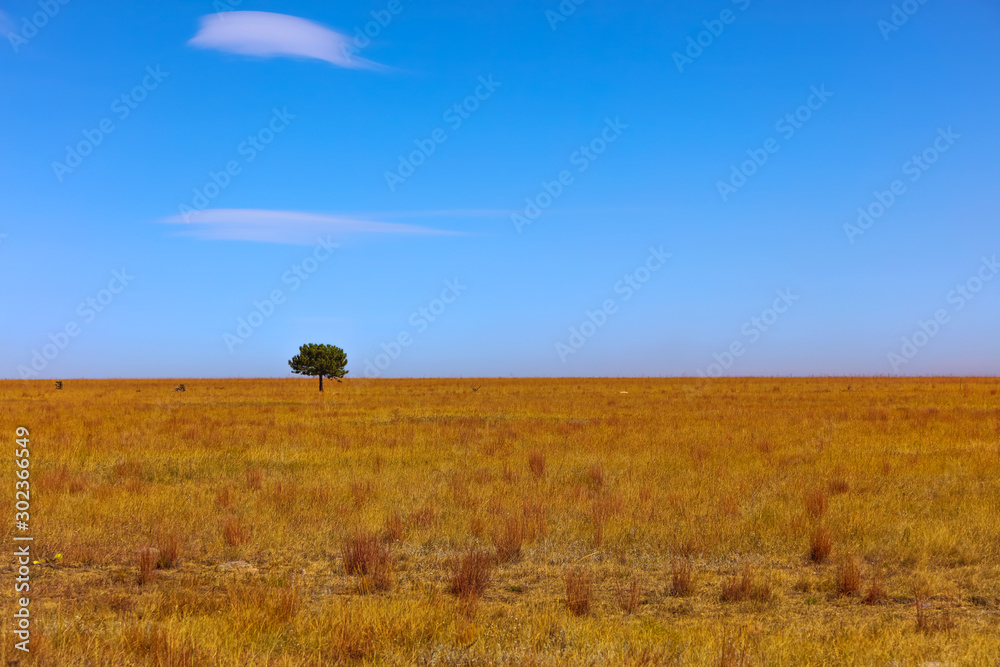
<point x="682" y="190"/>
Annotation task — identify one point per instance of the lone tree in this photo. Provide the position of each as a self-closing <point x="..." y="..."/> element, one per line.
<point x="321" y="360"/>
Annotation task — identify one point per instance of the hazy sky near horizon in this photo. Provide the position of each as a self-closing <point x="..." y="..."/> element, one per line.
<point x="492" y="189"/>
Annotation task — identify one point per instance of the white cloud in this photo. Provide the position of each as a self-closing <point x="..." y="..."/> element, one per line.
<point x="294" y="227"/>
<point x="268" y="35"/>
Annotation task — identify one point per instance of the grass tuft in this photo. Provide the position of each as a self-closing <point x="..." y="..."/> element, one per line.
<point x="235" y="532"/>
<point x="224" y="497"/>
<point x="682" y="576"/>
<point x="929" y="622"/>
<point x="393" y="530"/>
<point x="838" y="485"/>
<point x="254" y="478"/>
<point x="596" y="476"/>
<point x="579" y="591"/>
<point x="361" y="492"/>
<point x="877" y="593"/>
<point x="628" y="595"/>
<point x="820" y="545"/>
<point x="536" y="463"/>
<point x="471" y="574"/>
<point x="168" y="542"/>
<point x="369" y="558"/>
<point x="816" y="502"/>
<point x="848" y="581"/>
<point x="745" y="586"/>
<point x="508" y="539"/>
<point x="146" y="558"/>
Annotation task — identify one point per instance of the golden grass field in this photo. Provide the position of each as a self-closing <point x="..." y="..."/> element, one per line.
<point x="533" y="522"/>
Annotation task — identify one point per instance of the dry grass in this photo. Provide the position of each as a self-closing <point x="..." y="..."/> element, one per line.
<point x="745" y="586"/>
<point x="254" y="478"/>
<point x="877" y="592"/>
<point x="168" y="542"/>
<point x="628" y="595"/>
<point x="471" y="574"/>
<point x="930" y="622"/>
<point x="596" y="476"/>
<point x="682" y="576"/>
<point x="246" y="495"/>
<point x="508" y="538"/>
<point x="368" y="557"/>
<point x="738" y="651"/>
<point x="393" y="530"/>
<point x="146" y="561"/>
<point x="820" y="545"/>
<point x="536" y="463"/>
<point x="816" y="503"/>
<point x="224" y="497"/>
<point x="933" y="615"/>
<point x="579" y="591"/>
<point x="848" y="581"/>
<point x="361" y="492"/>
<point x="838" y="485"/>
<point x="235" y="532"/>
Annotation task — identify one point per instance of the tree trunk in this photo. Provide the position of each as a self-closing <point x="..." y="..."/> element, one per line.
<point x="321" y="382"/>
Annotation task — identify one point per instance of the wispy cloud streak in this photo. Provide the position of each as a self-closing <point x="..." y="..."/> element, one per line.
<point x="293" y="227"/>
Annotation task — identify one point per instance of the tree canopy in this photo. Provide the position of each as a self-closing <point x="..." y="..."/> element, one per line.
<point x="322" y="360"/>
